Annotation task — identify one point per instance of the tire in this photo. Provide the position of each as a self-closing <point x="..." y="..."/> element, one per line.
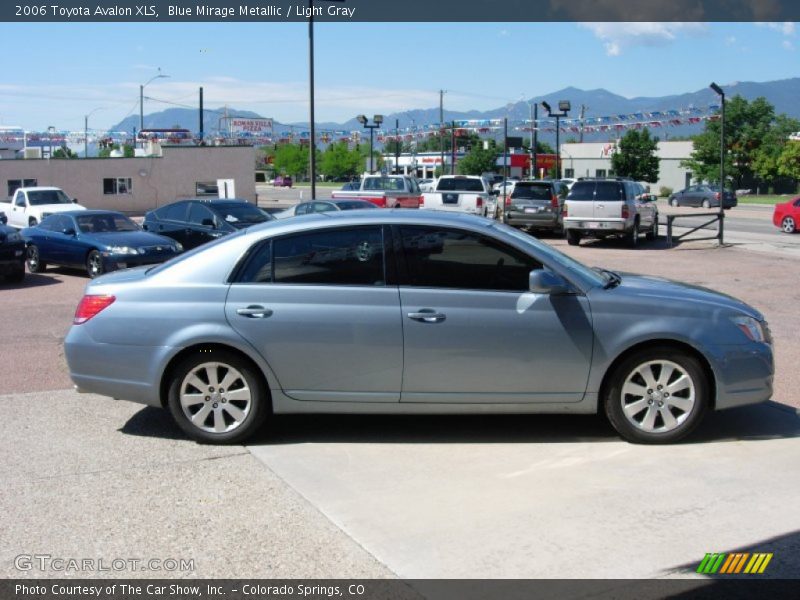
<point x="632" y="237"/>
<point x="94" y="264"/>
<point x="652" y="235"/>
<point x="673" y="202"/>
<point x="32" y="222"/>
<point x="643" y="413"/>
<point x="35" y="264"/>
<point x="573" y="237"/>
<point x="788" y="225"/>
<point x="220" y="423"/>
<point x="17" y="275"/>
<point x="706" y="204"/>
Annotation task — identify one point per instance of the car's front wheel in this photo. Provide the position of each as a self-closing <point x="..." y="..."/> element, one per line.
<point x="657" y="396"/>
<point x="94" y="264"/>
<point x="673" y="202"/>
<point x="788" y="225"/>
<point x="34" y="260"/>
<point x="217" y="397"/>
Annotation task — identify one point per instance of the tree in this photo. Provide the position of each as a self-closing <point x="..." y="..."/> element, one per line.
<point x="479" y="160"/>
<point x="754" y="138"/>
<point x="64" y="153"/>
<point x="291" y="159"/>
<point x="339" y="161"/>
<point x="789" y="160"/>
<point x="636" y="157"/>
<point x="105" y="151"/>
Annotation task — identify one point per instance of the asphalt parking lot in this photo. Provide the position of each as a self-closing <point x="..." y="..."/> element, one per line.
<point x="414" y="497"/>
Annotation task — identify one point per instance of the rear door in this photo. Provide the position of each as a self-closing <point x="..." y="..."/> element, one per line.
<point x="609" y="198"/>
<point x="320" y="308"/>
<point x="532" y="197"/>
<point x="171" y="221"/>
<point x="580" y="200"/>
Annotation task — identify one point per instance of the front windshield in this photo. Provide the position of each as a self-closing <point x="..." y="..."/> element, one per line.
<point x="105" y="223"/>
<point x="241" y="215"/>
<point x="549" y="254"/>
<point x="42" y="197"/>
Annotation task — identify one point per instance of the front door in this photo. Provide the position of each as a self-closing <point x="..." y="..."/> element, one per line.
<point x="475" y="334"/>
<point x="318" y="307"/>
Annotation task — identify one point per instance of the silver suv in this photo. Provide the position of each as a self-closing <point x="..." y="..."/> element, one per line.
<point x="605" y="207"/>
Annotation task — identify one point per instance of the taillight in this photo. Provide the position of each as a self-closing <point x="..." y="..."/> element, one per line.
<point x="564" y="211"/>
<point x="508" y="200"/>
<point x="625" y="211"/>
<point x="554" y="201"/>
<point x="716" y="196"/>
<point x="479" y="202"/>
<point x="90" y="306"/>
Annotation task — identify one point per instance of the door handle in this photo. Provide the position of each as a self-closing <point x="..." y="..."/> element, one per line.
<point x="254" y="311"/>
<point x="427" y="315"/>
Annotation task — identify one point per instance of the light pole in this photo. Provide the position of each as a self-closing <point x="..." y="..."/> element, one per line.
<point x="86" y="131"/>
<point x="312" y="146"/>
<point x="141" y="97"/>
<point x="721" y="93"/>
<point x="378" y="119"/>
<point x="563" y="108"/>
<point x="533" y="109"/>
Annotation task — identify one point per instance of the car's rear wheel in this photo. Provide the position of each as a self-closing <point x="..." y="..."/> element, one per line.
<point x="35" y="264"/>
<point x="653" y="233"/>
<point x="657" y="396"/>
<point x="788" y="225"/>
<point x="706" y="204"/>
<point x="632" y="237"/>
<point x="573" y="237"/>
<point x="94" y="264"/>
<point x="217" y="397"/>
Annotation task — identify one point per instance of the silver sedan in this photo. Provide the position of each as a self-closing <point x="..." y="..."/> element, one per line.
<point x="411" y="312"/>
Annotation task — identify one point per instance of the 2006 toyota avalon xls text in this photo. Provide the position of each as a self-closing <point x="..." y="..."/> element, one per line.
<point x="411" y="312"/>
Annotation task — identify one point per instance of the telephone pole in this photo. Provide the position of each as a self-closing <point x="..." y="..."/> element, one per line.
<point x="441" y="127"/>
<point x="583" y="111"/>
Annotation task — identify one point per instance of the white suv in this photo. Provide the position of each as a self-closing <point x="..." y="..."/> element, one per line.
<point x="605" y="207"/>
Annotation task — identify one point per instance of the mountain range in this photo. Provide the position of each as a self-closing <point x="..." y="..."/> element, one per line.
<point x="782" y="94"/>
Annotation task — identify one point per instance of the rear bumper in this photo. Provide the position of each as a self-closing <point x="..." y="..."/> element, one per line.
<point x="540" y="220"/>
<point x="596" y="226"/>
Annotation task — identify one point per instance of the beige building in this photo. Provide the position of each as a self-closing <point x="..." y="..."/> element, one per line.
<point x="136" y="185"/>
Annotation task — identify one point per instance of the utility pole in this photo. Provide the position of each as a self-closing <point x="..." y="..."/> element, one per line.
<point x="535" y="143"/>
<point x="583" y="110"/>
<point x="202" y="132"/>
<point x="441" y="127"/>
<point x="397" y="146"/>
<point x="453" y="149"/>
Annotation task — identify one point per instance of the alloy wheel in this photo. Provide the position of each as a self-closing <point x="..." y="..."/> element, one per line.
<point x="658" y="396"/>
<point x="215" y="397"/>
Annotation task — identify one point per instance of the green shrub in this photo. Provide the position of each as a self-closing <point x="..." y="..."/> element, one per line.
<point x="664" y="192"/>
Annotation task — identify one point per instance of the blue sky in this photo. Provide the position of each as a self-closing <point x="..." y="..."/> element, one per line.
<point x="59" y="72"/>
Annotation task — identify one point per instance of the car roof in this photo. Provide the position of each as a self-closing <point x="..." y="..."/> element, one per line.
<point x="85" y="213"/>
<point x="41" y="188"/>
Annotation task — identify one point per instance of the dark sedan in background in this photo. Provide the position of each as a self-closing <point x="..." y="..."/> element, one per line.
<point x="96" y="240"/>
<point x="197" y="221"/>
<point x="12" y="254"/>
<point x="706" y="196"/>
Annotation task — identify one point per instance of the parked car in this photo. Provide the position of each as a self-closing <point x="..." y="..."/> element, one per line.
<point x="3" y="218"/>
<point x="787" y="215"/>
<point x="29" y="205"/>
<point x="196" y="221"/>
<point x="706" y="196"/>
<point x="462" y="193"/>
<point x="536" y="205"/>
<point x="609" y="207"/>
<point x="319" y="206"/>
<point x="504" y="190"/>
<point x="568" y="181"/>
<point x="426" y="185"/>
<point x="96" y="240"/>
<point x="385" y="191"/>
<point x="321" y="315"/>
<point x="282" y="181"/>
<point x="351" y="186"/>
<point x="12" y="254"/>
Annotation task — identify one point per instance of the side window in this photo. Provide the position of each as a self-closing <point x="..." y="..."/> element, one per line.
<point x="59" y="224"/>
<point x="332" y="257"/>
<point x="450" y="258"/>
<point x="20" y="199"/>
<point x="200" y="215"/>
<point x="323" y="207"/>
<point x="302" y="209"/>
<point x="258" y="267"/>
<point x="173" y="212"/>
<point x="48" y="222"/>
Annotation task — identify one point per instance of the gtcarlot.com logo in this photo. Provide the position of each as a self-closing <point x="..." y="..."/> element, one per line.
<point x="734" y="563"/>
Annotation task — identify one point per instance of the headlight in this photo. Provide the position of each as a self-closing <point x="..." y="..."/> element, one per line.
<point x="178" y="247"/>
<point x="753" y="329"/>
<point x="13" y="237"/>
<point x="122" y="250"/>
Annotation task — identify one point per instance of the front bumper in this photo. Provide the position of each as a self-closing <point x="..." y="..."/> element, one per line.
<point x="744" y="374"/>
<point x="12" y="257"/>
<point x="114" y="262"/>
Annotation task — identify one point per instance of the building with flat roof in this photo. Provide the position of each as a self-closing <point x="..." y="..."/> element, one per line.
<point x="136" y="185"/>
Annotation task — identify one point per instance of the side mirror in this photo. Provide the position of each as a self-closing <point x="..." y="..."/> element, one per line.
<point x="68" y="231"/>
<point x="208" y="223"/>
<point x="74" y="200"/>
<point x="546" y="282"/>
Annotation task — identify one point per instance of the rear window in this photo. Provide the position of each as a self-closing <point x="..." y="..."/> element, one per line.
<point x="597" y="190"/>
<point x="532" y="191"/>
<point x="582" y="190"/>
<point x="458" y="184"/>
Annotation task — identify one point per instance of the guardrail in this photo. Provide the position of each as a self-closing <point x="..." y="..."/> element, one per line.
<point x="715" y="216"/>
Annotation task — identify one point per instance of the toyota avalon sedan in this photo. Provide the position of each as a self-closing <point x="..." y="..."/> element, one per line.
<point x="95" y="240"/>
<point x="391" y="312"/>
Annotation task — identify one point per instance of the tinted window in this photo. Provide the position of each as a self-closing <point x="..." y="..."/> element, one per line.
<point x="60" y="223"/>
<point x="609" y="190"/>
<point x="582" y="190"/>
<point x="43" y="197"/>
<point x="173" y="212"/>
<point x="355" y="205"/>
<point x="323" y="207"/>
<point x="450" y="258"/>
<point x="302" y="209"/>
<point x="459" y="184"/>
<point x="240" y="214"/>
<point x="48" y="223"/>
<point x="200" y="215"/>
<point x="532" y="191"/>
<point x="258" y="267"/>
<point x="336" y="257"/>
<point x="105" y="223"/>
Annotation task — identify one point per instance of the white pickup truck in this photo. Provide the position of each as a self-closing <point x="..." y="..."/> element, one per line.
<point x="462" y="193"/>
<point x="29" y="205"/>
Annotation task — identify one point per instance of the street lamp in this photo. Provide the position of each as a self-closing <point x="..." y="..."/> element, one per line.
<point x="141" y="96"/>
<point x="533" y="109"/>
<point x="721" y="94"/>
<point x="312" y="146"/>
<point x="86" y="131"/>
<point x="563" y="108"/>
<point x="378" y="119"/>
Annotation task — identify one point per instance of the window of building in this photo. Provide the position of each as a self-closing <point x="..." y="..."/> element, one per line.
<point x="206" y="188"/>
<point x="117" y="185"/>
<point x="600" y="173"/>
<point x="352" y="256"/>
<point x="15" y="184"/>
<point x="451" y="258"/>
<point x="569" y="173"/>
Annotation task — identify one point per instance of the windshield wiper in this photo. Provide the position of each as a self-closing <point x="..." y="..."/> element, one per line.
<point x="613" y="279"/>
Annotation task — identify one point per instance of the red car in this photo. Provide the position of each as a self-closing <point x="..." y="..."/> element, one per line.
<point x="282" y="181"/>
<point x="787" y="215"/>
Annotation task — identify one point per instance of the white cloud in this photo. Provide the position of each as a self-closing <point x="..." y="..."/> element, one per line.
<point x="730" y="40"/>
<point x="616" y="37"/>
<point x="787" y="45"/>
<point x="787" y="28"/>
